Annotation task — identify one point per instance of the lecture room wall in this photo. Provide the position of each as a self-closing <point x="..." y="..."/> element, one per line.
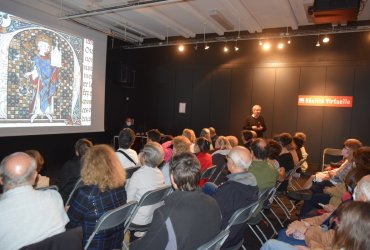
<point x="219" y="89"/>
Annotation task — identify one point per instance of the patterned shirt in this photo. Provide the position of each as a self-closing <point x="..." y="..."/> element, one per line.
<point x="88" y="204"/>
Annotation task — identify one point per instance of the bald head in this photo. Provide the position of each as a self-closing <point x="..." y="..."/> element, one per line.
<point x="241" y="157"/>
<point x="18" y="169"/>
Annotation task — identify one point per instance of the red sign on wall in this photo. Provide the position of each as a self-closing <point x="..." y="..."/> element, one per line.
<point x="325" y="101"/>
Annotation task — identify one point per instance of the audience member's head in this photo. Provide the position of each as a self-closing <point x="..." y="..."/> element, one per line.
<point x="362" y="189"/>
<point x="285" y="140"/>
<point x="151" y="155"/>
<point x="233" y="140"/>
<point x="81" y="146"/>
<point x="126" y="138"/>
<point x="17" y="169"/>
<point x="362" y="162"/>
<point x="181" y="144"/>
<point x="273" y="149"/>
<point x="212" y="131"/>
<point x="153" y="135"/>
<point x="299" y="139"/>
<point x="350" y="147"/>
<point x="362" y="157"/>
<point x="185" y="172"/>
<point x="239" y="159"/>
<point x="166" y="138"/>
<point x="202" y="145"/>
<point x="189" y="133"/>
<point x="353" y="230"/>
<point x="222" y="143"/>
<point x="258" y="149"/>
<point x="35" y="154"/>
<point x="248" y="135"/>
<point x="205" y="133"/>
<point x="101" y="167"/>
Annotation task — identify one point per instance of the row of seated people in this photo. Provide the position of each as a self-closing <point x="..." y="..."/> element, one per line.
<point x="101" y="175"/>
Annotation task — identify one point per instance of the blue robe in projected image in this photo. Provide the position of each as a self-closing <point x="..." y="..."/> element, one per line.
<point x="45" y="86"/>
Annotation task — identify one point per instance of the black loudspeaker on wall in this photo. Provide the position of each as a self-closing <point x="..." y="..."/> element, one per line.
<point x="127" y="76"/>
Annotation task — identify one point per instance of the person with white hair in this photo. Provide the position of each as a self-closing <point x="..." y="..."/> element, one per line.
<point x="240" y="190"/>
<point x="255" y="121"/>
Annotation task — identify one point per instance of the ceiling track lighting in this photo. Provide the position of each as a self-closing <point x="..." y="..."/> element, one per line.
<point x="226" y="49"/>
<point x="206" y="47"/>
<point x="326" y="39"/>
<point x="318" y="41"/>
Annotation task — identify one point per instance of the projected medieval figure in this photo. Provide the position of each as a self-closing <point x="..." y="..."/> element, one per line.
<point x="44" y="78"/>
<point x="45" y="75"/>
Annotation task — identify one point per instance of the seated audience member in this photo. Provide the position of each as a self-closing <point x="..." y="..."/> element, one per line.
<point x="188" y="218"/>
<point x="219" y="157"/>
<point x="201" y="149"/>
<point x="319" y="232"/>
<point x="41" y="181"/>
<point x="71" y="170"/>
<point x="126" y="155"/>
<point x="153" y="135"/>
<point x="27" y="216"/>
<point x="240" y="190"/>
<point x="214" y="136"/>
<point x="273" y="151"/>
<point x="166" y="142"/>
<point x="103" y="190"/>
<point x="129" y="123"/>
<point x="180" y="145"/>
<point x="189" y="133"/>
<point x="351" y="233"/>
<point x="148" y="177"/>
<point x="285" y="159"/>
<point x="233" y="140"/>
<point x="206" y="134"/>
<point x="299" y="140"/>
<point x="264" y="172"/>
<point x="247" y="137"/>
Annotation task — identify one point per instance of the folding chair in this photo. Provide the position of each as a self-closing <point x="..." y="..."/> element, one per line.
<point x="149" y="198"/>
<point x="111" y="219"/>
<point x="52" y="187"/>
<point x="216" y="242"/>
<point x="78" y="184"/>
<point x="333" y="154"/>
<point x="70" y="239"/>
<point x="208" y="172"/>
<point x="130" y="171"/>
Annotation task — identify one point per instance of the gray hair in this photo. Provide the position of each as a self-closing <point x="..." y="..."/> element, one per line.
<point x="241" y="157"/>
<point x="10" y="180"/>
<point x="152" y="154"/>
<point x="362" y="189"/>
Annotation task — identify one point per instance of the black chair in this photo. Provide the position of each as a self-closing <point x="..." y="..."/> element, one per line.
<point x="216" y="242"/>
<point x="241" y="216"/>
<point x="78" y="184"/>
<point x="130" y="171"/>
<point x="111" y="219"/>
<point x="71" y="240"/>
<point x="149" y="198"/>
<point x="208" y="172"/>
<point x="52" y="187"/>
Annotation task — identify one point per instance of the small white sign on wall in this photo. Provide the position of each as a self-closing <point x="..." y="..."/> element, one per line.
<point x="182" y="107"/>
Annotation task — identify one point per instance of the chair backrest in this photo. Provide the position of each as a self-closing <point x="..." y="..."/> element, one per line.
<point x="332" y="153"/>
<point x="52" y="187"/>
<point x="111" y="219"/>
<point x="78" y="184"/>
<point x="242" y="215"/>
<point x="149" y="198"/>
<point x="208" y="172"/>
<point x="130" y="171"/>
<point x="216" y="242"/>
<point x="71" y="240"/>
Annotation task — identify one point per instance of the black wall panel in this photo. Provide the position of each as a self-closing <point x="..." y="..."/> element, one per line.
<point x="263" y="94"/>
<point x="240" y="99"/>
<point x="220" y="100"/>
<point x="285" y="100"/>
